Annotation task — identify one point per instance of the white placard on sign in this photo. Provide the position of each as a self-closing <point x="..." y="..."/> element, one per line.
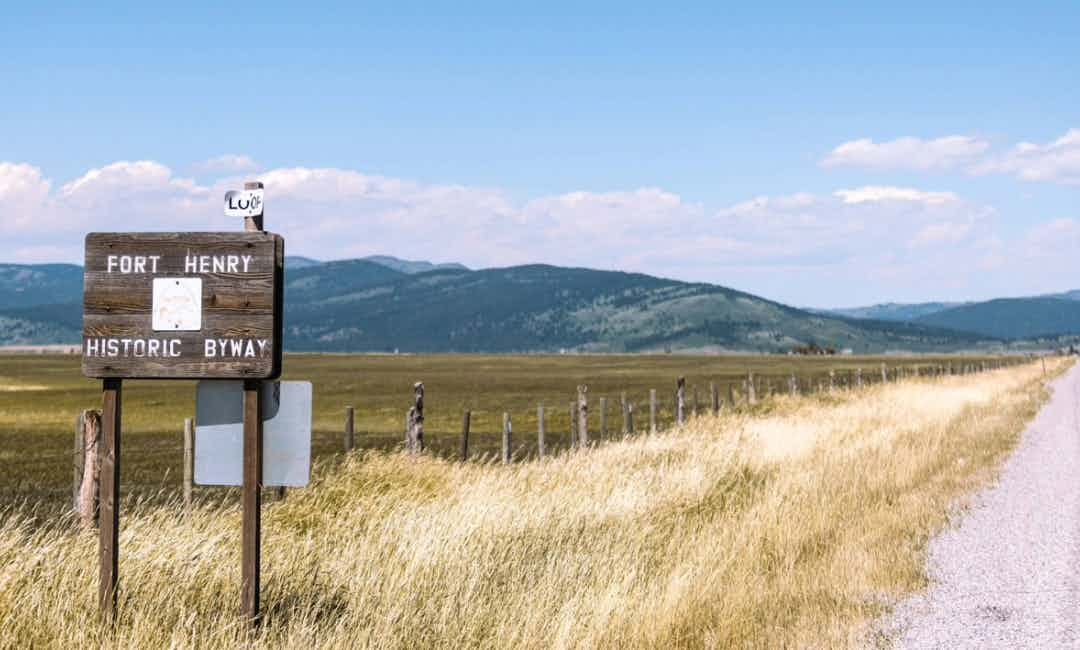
<point x="177" y="304"/>
<point x="243" y="203"/>
<point x="219" y="432"/>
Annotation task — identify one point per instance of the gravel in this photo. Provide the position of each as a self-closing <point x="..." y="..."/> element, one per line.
<point x="1006" y="575"/>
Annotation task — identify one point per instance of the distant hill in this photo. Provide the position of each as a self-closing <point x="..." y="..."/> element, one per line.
<point x="26" y="285"/>
<point x="1068" y="295"/>
<point x="412" y="266"/>
<point x="547" y="308"/>
<point x="397" y="264"/>
<point x="1011" y="317"/>
<point x="894" y="310"/>
<point x="367" y="305"/>
<point x="298" y="262"/>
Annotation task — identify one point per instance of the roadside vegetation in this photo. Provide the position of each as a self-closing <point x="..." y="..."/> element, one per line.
<point x="40" y="396"/>
<point x="795" y="524"/>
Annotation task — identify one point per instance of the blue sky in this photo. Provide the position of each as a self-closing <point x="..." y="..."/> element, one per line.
<point x="702" y="142"/>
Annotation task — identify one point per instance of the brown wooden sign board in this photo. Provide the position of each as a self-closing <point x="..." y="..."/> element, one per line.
<point x="188" y="305"/>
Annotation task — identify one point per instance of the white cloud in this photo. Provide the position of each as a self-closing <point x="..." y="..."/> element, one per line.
<point x="227" y="163"/>
<point x="1057" y="161"/>
<point x="874" y="193"/>
<point x="908" y="153"/>
<point x="945" y="232"/>
<point x="24" y="193"/>
<point x="852" y="245"/>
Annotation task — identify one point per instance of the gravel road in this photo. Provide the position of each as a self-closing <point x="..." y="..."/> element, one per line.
<point x="1006" y="575"/>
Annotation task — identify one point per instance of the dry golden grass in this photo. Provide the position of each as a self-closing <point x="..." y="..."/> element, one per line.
<point x="791" y="527"/>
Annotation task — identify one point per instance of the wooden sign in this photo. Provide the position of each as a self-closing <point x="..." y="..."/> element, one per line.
<point x="183" y="305"/>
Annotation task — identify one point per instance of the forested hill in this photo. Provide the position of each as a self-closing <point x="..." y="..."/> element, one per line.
<point x="377" y="304"/>
<point x="547" y="308"/>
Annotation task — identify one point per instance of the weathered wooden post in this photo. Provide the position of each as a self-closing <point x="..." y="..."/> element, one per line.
<point x="77" y="456"/>
<point x="793" y="385"/>
<point x="583" y="414"/>
<point x="416" y="420"/>
<point x="858" y="377"/>
<point x="109" y="497"/>
<point x="627" y="425"/>
<point x="189" y="461"/>
<point x="622" y="409"/>
<point x="832" y="380"/>
<point x="506" y="439"/>
<point x="251" y="518"/>
<point x="466" y="420"/>
<point x="574" y="440"/>
<point x="630" y="418"/>
<point x="884" y="374"/>
<point x="87" y="501"/>
<point x="731" y="394"/>
<point x="540" y="430"/>
<point x="652" y="411"/>
<point x="603" y="417"/>
<point x="751" y="394"/>
<point x="349" y="441"/>
<point x="694" y="408"/>
<point x="680" y="400"/>
<point x="714" y="398"/>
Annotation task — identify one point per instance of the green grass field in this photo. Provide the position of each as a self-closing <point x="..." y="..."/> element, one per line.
<point x="40" y="396"/>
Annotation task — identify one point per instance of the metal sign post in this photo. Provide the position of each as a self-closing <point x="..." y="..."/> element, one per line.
<point x="184" y="306"/>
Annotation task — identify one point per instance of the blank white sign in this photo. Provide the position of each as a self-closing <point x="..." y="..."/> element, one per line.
<point x="177" y="304"/>
<point x="219" y="432"/>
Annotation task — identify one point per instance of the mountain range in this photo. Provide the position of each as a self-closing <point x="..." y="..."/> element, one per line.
<point x="1003" y="318"/>
<point x="382" y="303"/>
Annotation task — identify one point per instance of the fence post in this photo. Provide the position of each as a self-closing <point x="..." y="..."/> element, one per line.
<point x="884" y="374"/>
<point x="793" y="385"/>
<point x="731" y="394"/>
<point x="652" y="410"/>
<point x="506" y="438"/>
<point x="714" y="398"/>
<point x="415" y="441"/>
<point x="466" y="420"/>
<point x="680" y="400"/>
<point x="89" y="489"/>
<point x="189" y="461"/>
<point x="626" y="418"/>
<point x="630" y="418"/>
<point x="574" y="440"/>
<point x="583" y="414"/>
<point x="751" y="394"/>
<point x="694" y="408"/>
<point x="540" y="430"/>
<point x="349" y="441"/>
<point x="603" y="417"/>
<point x="832" y="380"/>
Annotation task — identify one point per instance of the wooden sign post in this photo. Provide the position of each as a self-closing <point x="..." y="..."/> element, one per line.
<point x="183" y="306"/>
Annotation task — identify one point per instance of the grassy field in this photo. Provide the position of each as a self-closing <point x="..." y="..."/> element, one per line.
<point x="791" y="526"/>
<point x="40" y="397"/>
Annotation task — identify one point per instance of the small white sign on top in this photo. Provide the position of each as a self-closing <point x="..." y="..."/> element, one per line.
<point x="243" y="203"/>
